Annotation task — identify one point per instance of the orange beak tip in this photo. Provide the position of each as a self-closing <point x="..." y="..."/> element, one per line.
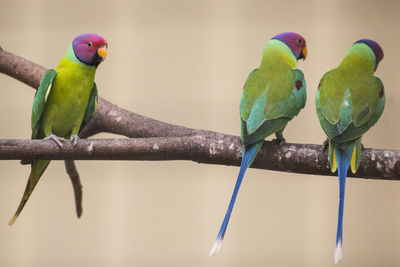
<point x="305" y="52"/>
<point x="102" y="52"/>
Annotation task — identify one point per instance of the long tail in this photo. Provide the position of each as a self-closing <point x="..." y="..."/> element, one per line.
<point x="37" y="169"/>
<point x="76" y="185"/>
<point x="249" y="153"/>
<point x="343" y="158"/>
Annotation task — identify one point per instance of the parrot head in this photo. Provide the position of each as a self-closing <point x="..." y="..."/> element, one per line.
<point x="295" y="42"/>
<point x="376" y="48"/>
<point x="90" y="48"/>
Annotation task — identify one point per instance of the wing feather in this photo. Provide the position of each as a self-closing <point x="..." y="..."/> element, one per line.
<point x="350" y="121"/>
<point x="39" y="102"/>
<point x="255" y="126"/>
<point x="91" y="107"/>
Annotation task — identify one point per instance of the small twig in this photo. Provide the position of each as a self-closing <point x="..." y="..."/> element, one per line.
<point x="76" y="184"/>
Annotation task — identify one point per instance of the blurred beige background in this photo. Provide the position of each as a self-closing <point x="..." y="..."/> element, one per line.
<point x="185" y="62"/>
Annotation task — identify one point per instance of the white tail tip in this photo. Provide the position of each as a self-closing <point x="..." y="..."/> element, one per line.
<point x="338" y="252"/>
<point x="216" y="246"/>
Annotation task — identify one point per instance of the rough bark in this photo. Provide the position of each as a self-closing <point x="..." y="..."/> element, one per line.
<point x="212" y="149"/>
<point x="156" y="140"/>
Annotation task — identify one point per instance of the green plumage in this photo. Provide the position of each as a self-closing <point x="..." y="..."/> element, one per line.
<point x="350" y="100"/>
<point x="64" y="103"/>
<point x="273" y="94"/>
<point x="91" y="107"/>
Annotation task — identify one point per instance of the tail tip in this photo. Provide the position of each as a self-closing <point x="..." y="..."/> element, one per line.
<point x="79" y="213"/>
<point x="216" y="247"/>
<point x="11" y="222"/>
<point x="338" y="252"/>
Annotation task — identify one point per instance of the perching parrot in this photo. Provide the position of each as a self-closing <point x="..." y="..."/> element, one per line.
<point x="272" y="95"/>
<point x="349" y="101"/>
<point x="65" y="101"/>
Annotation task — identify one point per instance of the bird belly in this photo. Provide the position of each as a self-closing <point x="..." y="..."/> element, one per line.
<point x="65" y="108"/>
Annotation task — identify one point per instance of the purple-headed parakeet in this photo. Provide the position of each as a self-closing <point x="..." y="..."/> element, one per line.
<point x="349" y="101"/>
<point x="65" y="101"/>
<point x="273" y="94"/>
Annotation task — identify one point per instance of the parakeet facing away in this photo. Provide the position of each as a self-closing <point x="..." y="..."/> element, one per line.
<point x="65" y="101"/>
<point x="349" y="101"/>
<point x="272" y="95"/>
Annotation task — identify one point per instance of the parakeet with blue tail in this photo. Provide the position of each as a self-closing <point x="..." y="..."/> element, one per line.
<point x="349" y="101"/>
<point x="273" y="94"/>
<point x="65" y="101"/>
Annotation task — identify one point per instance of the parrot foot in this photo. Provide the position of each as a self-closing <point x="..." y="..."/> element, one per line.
<point x="279" y="140"/>
<point x="325" y="145"/>
<point x="74" y="139"/>
<point x="56" y="139"/>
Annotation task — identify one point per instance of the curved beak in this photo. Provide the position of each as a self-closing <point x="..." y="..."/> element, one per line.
<point x="303" y="54"/>
<point x="102" y="52"/>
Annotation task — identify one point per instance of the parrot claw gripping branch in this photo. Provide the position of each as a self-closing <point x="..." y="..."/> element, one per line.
<point x="273" y="94"/>
<point x="65" y="102"/>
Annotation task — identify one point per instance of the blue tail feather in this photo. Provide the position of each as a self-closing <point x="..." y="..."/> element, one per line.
<point x="249" y="153"/>
<point x="343" y="157"/>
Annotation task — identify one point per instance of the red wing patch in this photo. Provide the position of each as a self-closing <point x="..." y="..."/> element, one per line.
<point x="299" y="84"/>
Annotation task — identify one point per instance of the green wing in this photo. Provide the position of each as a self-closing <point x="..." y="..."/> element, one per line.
<point x="91" y="107"/>
<point x="345" y="117"/>
<point x="39" y="102"/>
<point x="381" y="104"/>
<point x="261" y="118"/>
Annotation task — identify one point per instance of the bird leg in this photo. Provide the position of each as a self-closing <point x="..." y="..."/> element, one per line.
<point x="56" y="139"/>
<point x="74" y="139"/>
<point x="279" y="140"/>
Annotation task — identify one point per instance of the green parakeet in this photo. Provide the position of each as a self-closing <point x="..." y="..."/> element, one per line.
<point x="65" y="101"/>
<point x="272" y="95"/>
<point x="349" y="101"/>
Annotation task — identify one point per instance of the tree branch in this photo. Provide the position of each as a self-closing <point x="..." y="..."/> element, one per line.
<point x="162" y="141"/>
<point x="213" y="149"/>
<point x="108" y="117"/>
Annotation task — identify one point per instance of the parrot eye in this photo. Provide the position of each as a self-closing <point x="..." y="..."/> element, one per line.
<point x="299" y="41"/>
<point x="89" y="44"/>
